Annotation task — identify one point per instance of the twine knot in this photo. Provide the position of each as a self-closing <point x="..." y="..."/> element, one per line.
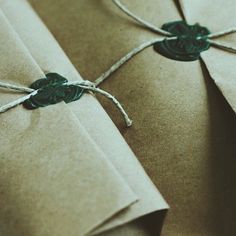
<point x="190" y="41"/>
<point x="52" y="90"/>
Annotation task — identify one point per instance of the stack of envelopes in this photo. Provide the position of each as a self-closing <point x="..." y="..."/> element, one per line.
<point x="66" y="170"/>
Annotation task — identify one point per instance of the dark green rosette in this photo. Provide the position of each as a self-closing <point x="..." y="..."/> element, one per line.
<point x="52" y="90"/>
<point x="191" y="41"/>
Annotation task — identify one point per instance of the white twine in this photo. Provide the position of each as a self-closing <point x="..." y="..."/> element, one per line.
<point x="223" y="46"/>
<point x="145" y="45"/>
<point x="141" y="21"/>
<point x="15" y="87"/>
<point x="222" y="33"/>
<point x="127" y="57"/>
<point x="161" y="31"/>
<point x="141" y="47"/>
<point x="16" y="102"/>
<point x="87" y="85"/>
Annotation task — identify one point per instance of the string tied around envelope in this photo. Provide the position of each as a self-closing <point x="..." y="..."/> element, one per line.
<point x="54" y="89"/>
<point x="180" y="41"/>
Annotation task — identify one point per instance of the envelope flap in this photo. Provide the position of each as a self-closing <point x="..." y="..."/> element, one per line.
<point x="54" y="178"/>
<point x="50" y="57"/>
<point x="221" y="66"/>
<point x="217" y="15"/>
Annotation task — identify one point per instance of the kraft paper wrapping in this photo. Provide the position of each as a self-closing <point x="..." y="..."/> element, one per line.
<point x="54" y="178"/>
<point x="184" y="129"/>
<point x="48" y="56"/>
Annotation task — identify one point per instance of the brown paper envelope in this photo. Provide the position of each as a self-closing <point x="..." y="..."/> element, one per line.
<point x="50" y="57"/>
<point x="54" y="178"/>
<point x="184" y="131"/>
<point x="220" y="64"/>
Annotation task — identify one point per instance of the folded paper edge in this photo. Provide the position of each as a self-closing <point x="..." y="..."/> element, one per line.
<point x="133" y="197"/>
<point x="164" y="206"/>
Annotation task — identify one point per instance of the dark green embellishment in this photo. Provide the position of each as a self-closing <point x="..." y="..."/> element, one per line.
<point x="191" y="41"/>
<point x="51" y="90"/>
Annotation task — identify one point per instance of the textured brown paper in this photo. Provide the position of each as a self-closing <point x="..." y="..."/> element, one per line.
<point x="50" y="57"/>
<point x="217" y="60"/>
<point x="54" y="178"/>
<point x="184" y="131"/>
